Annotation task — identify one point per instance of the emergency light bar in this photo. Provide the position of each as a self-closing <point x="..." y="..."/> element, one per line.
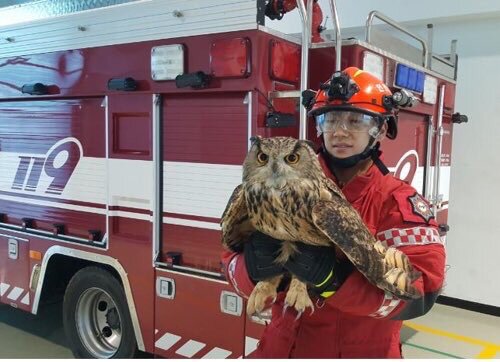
<point x="409" y="78"/>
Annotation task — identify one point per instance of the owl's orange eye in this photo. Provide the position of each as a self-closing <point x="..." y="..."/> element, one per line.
<point x="292" y="158"/>
<point x="262" y="158"/>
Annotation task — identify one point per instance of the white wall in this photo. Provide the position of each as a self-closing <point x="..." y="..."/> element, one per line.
<point x="473" y="241"/>
<point x="474" y="238"/>
<point x="473" y="247"/>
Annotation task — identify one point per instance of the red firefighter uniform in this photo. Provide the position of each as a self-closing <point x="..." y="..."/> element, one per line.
<point x="359" y="320"/>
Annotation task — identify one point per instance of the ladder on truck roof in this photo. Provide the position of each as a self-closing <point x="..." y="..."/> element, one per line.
<point x="377" y="40"/>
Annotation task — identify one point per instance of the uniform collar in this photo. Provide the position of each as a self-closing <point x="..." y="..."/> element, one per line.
<point x="356" y="187"/>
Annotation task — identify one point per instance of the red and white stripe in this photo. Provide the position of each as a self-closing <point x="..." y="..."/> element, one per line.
<point x="410" y="236"/>
<point x="389" y="303"/>
<point x="3" y="288"/>
<point x="190" y="347"/>
<point x="14" y="294"/>
<point x="195" y="194"/>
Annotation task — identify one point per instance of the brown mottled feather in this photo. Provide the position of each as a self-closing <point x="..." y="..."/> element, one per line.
<point x="236" y="226"/>
<point x="344" y="226"/>
<point x="299" y="203"/>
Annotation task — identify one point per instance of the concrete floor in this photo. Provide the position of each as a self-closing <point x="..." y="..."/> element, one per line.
<point x="24" y="335"/>
<point x="445" y="332"/>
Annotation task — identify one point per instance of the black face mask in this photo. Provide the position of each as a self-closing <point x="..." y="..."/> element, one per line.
<point x="369" y="152"/>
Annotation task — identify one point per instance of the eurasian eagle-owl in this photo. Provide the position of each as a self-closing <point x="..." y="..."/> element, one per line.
<point x="285" y="195"/>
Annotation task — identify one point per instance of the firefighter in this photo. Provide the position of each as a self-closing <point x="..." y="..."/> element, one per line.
<point x="354" y="111"/>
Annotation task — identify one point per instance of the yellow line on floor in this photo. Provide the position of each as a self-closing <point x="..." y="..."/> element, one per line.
<point x="489" y="347"/>
<point x="488" y="352"/>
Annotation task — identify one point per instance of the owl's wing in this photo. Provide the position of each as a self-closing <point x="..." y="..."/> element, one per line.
<point x="236" y="226"/>
<point x="390" y="270"/>
<point x="333" y="188"/>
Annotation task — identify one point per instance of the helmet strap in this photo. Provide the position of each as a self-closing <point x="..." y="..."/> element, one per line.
<point x="377" y="161"/>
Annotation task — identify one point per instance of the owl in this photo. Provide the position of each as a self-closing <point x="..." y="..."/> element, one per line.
<point x="286" y="195"/>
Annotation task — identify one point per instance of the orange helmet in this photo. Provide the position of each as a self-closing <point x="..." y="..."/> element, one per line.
<point x="356" y="90"/>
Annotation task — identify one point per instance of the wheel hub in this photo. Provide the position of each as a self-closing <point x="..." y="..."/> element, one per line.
<point x="98" y="323"/>
<point x="113" y="319"/>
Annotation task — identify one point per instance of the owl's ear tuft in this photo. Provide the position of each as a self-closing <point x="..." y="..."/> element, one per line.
<point x="308" y="143"/>
<point x="256" y="140"/>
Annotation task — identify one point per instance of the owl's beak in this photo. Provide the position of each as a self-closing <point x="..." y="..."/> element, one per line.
<point x="275" y="168"/>
<point x="277" y="180"/>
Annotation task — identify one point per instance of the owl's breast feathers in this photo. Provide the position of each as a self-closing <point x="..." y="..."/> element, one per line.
<point x="286" y="213"/>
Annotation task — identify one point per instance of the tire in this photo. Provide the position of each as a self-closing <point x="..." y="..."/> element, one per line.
<point x="96" y="317"/>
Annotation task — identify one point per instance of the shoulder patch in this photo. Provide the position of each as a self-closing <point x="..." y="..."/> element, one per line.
<point x="420" y="207"/>
<point x="414" y="207"/>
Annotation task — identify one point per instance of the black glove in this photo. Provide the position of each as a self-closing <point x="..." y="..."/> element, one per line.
<point x="260" y="251"/>
<point x="318" y="267"/>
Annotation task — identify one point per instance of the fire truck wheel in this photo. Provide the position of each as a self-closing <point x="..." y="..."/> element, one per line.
<point x="96" y="317"/>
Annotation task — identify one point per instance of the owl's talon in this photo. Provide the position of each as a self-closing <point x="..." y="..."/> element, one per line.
<point x="285" y="307"/>
<point x="262" y="293"/>
<point x="312" y="310"/>
<point x="299" y="314"/>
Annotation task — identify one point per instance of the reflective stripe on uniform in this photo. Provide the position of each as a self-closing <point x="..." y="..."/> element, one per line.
<point x="389" y="303"/>
<point x="410" y="236"/>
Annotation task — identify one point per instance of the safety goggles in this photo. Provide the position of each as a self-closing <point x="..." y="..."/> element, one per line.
<point x="349" y="121"/>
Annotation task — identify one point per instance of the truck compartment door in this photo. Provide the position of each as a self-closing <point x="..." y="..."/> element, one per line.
<point x="205" y="140"/>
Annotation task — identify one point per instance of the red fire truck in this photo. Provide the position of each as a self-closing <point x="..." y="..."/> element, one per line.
<point x="122" y="134"/>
